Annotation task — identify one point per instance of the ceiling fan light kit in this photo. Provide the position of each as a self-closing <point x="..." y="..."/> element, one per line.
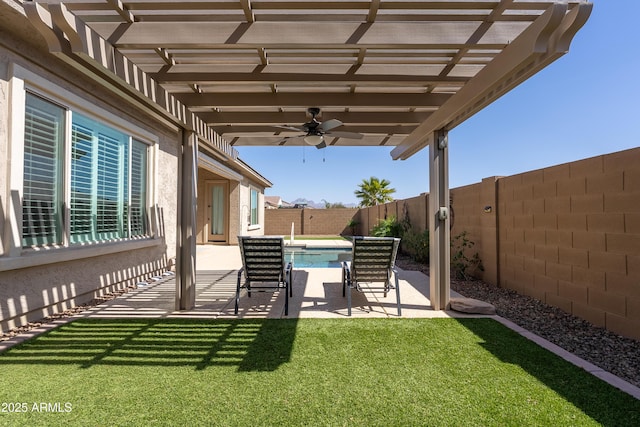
<point x="314" y="139"/>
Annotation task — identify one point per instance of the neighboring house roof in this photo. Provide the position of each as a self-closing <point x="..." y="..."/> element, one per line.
<point x="272" y="201"/>
<point x="275" y="202"/>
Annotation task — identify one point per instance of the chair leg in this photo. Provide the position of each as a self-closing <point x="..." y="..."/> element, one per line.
<point x="395" y="276"/>
<point x="349" y="298"/>
<point x="238" y="292"/>
<point x="346" y="277"/>
<point x="290" y="281"/>
<point x="286" y="298"/>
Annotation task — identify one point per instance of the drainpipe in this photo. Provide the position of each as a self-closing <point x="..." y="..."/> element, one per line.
<point x="186" y="232"/>
<point x="439" y="219"/>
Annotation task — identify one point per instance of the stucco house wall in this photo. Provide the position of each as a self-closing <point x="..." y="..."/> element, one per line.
<point x="36" y="282"/>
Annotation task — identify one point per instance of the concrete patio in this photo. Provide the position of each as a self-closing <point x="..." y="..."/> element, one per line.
<point x="317" y="293"/>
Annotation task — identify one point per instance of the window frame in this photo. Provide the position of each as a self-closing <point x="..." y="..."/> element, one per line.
<point x="21" y="82"/>
<point x="254" y="223"/>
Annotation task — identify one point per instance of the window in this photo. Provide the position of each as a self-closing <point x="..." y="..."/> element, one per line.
<point x="107" y="172"/>
<point x="253" y="220"/>
<point x="42" y="184"/>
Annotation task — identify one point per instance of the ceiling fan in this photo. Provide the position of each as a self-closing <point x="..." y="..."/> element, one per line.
<point x="315" y="130"/>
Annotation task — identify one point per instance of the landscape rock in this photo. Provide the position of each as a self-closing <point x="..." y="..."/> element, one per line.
<point x="472" y="306"/>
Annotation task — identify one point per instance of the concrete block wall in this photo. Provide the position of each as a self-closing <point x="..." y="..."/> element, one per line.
<point x="414" y="208"/>
<point x="309" y="221"/>
<point x="569" y="235"/>
<point x="278" y="221"/>
<point x="475" y="212"/>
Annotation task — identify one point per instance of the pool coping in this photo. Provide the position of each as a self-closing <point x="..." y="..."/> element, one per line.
<point x="319" y="244"/>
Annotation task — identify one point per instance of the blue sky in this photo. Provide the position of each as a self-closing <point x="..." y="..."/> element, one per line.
<point x="583" y="105"/>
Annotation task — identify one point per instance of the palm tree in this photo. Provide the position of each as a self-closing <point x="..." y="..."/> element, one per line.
<point x="374" y="192"/>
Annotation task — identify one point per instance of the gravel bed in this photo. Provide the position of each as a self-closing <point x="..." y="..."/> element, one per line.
<point x="614" y="353"/>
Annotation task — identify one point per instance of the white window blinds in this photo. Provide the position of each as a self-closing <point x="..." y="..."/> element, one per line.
<point x="99" y="181"/>
<point x="42" y="189"/>
<point x="104" y="180"/>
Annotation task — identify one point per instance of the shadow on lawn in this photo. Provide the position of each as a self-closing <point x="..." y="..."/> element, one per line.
<point x="599" y="400"/>
<point x="250" y="345"/>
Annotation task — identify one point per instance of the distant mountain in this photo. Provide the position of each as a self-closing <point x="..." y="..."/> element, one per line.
<point x="321" y="205"/>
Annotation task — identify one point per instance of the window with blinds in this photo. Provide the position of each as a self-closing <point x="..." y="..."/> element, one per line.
<point x="107" y="173"/>
<point x="42" y="184"/>
<point x="99" y="181"/>
<point x="138" y="214"/>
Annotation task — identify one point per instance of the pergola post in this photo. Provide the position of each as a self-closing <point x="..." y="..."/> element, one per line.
<point x="186" y="236"/>
<point x="439" y="234"/>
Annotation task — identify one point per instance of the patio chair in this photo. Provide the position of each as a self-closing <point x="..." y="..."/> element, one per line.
<point x="373" y="261"/>
<point x="263" y="262"/>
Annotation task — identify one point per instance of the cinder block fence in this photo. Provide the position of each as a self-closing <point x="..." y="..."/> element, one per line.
<point x="568" y="235"/>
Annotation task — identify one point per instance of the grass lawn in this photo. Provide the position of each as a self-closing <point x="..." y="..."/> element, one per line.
<point x="387" y="372"/>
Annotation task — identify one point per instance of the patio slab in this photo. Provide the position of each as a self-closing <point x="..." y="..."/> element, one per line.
<point x="317" y="293"/>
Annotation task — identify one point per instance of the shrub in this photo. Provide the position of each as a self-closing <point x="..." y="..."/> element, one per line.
<point x="388" y="227"/>
<point x="462" y="266"/>
<point x="353" y="225"/>
<point x="416" y="245"/>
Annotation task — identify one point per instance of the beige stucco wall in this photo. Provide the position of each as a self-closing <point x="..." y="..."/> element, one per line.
<point x="57" y="279"/>
<point x="4" y="147"/>
<point x="237" y="209"/>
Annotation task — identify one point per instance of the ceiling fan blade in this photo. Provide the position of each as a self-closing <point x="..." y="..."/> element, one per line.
<point x="329" y="124"/>
<point x="321" y="145"/>
<point x="287" y="139"/>
<point x="349" y="135"/>
<point x="293" y="128"/>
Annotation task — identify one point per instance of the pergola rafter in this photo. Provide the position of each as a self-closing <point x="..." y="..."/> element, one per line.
<point x="275" y="58"/>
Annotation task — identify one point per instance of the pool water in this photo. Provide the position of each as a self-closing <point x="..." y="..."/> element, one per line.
<point x="317" y="257"/>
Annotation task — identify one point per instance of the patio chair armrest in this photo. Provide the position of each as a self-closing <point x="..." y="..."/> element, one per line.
<point x="346" y="268"/>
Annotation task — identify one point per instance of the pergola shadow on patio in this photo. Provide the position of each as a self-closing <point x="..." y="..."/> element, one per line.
<point x="317" y="293"/>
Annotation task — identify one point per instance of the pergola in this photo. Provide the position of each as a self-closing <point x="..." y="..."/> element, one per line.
<point x="233" y="72"/>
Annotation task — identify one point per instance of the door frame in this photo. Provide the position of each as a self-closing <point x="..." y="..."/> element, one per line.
<point x="209" y="237"/>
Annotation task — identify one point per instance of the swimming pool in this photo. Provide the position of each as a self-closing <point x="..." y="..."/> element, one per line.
<point x="317" y="257"/>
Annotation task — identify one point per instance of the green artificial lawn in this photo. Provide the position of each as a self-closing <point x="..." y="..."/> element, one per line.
<point x="386" y="372"/>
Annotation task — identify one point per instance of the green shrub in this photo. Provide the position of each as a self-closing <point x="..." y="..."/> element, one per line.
<point x="388" y="227"/>
<point x="416" y="245"/>
<point x="462" y="266"/>
<point x="353" y="225"/>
